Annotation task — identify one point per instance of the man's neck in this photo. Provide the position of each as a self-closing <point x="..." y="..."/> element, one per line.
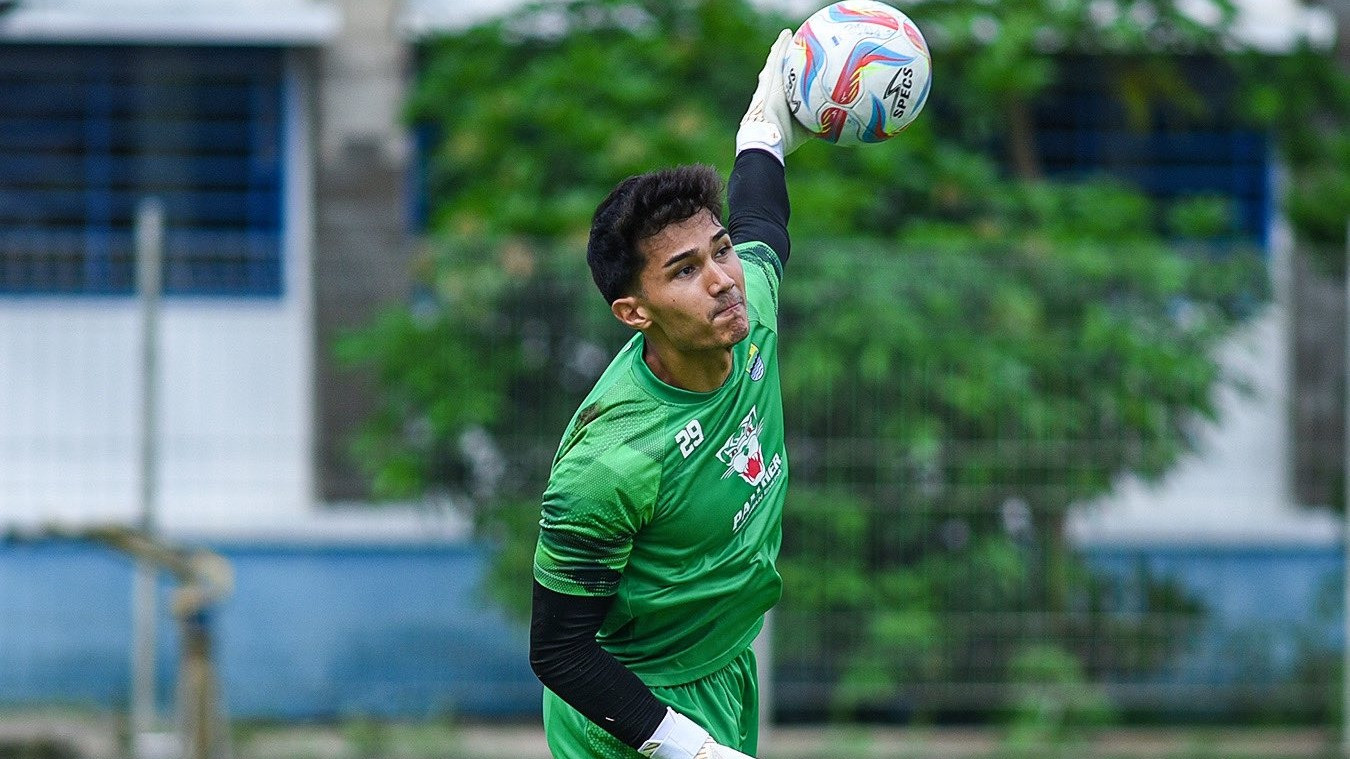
<point x="701" y="372"/>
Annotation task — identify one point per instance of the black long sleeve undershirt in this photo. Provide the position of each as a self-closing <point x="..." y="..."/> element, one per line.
<point x="568" y="661"/>
<point x="563" y="651"/>
<point x="757" y="195"/>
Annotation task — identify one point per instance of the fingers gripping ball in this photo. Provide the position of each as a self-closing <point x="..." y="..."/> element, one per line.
<point x="858" y="71"/>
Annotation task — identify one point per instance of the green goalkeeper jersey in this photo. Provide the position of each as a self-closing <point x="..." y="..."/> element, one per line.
<point x="672" y="501"/>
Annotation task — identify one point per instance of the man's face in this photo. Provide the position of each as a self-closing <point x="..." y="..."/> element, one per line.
<point x="692" y="287"/>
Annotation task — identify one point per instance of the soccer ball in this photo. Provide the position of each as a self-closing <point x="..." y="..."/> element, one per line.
<point x="858" y="71"/>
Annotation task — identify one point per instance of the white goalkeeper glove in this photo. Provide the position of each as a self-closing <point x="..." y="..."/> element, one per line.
<point x="679" y="737"/>
<point x="768" y="124"/>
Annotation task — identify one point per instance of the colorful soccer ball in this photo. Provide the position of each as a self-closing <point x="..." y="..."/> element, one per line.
<point x="858" y="71"/>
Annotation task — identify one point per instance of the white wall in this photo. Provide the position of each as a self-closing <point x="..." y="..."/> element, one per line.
<point x="233" y="397"/>
<point x="1236" y="487"/>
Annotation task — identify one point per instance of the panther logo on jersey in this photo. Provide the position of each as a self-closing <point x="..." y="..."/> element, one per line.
<point x="742" y="453"/>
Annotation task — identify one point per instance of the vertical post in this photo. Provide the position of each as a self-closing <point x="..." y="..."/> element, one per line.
<point x="149" y="257"/>
<point x="1345" y="547"/>
<point x="763" y="648"/>
<point x="197" y="686"/>
<point x="298" y="265"/>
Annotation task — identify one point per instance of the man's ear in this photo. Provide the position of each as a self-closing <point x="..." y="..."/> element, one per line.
<point x="629" y="311"/>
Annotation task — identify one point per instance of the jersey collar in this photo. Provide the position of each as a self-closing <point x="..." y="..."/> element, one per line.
<point x="648" y="381"/>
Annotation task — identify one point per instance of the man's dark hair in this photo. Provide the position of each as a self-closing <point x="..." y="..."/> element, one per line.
<point x="638" y="208"/>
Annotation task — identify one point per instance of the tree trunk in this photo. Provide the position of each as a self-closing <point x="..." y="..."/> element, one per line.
<point x="1026" y="160"/>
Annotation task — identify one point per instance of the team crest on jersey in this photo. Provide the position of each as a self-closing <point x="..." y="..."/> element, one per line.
<point x="755" y="366"/>
<point x="742" y="453"/>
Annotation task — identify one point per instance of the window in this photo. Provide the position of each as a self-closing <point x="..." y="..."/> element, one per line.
<point x="1083" y="128"/>
<point x="87" y="132"/>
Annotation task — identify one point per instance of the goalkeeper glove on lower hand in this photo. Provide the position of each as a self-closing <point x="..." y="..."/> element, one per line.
<point x="768" y="124"/>
<point x="679" y="737"/>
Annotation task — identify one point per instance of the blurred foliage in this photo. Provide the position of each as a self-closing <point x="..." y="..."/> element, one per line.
<point x="1305" y="98"/>
<point x="956" y="401"/>
<point x="970" y="349"/>
<point x="1053" y="705"/>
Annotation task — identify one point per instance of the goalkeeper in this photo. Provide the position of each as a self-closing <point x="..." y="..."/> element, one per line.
<point x="662" y="518"/>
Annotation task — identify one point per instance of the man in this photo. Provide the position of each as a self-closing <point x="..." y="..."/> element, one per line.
<point x="662" y="517"/>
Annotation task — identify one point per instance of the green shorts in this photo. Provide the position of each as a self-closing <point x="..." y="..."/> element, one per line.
<point x="725" y="703"/>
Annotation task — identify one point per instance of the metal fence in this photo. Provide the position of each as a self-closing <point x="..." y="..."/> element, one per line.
<point x="958" y="420"/>
<point x="951" y="417"/>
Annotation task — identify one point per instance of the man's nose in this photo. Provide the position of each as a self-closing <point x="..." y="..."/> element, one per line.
<point x="721" y="280"/>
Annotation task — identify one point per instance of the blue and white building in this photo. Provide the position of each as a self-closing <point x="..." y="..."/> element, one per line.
<point x="208" y="107"/>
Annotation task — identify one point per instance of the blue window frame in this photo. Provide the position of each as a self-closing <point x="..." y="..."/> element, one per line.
<point x="86" y="132"/>
<point x="1083" y="128"/>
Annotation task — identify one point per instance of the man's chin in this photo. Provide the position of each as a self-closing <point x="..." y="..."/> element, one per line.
<point x="738" y="333"/>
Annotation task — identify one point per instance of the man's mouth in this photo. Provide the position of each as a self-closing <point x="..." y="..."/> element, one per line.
<point x="727" y="308"/>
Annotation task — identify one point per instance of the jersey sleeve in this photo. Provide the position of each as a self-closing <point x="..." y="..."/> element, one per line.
<point x="763" y="274"/>
<point x="597" y="499"/>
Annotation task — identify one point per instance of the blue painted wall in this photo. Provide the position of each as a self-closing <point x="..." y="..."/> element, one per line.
<point x="311" y="632"/>
<point x="323" y="632"/>
<point x="1271" y="614"/>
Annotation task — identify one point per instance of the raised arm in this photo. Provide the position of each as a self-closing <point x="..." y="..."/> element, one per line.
<point x="757" y="190"/>
<point x="758" y="199"/>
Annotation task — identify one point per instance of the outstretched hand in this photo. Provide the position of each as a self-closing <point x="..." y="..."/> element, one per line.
<point x="768" y="124"/>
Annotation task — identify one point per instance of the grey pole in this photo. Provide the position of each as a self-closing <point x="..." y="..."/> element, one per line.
<point x="1345" y="548"/>
<point x="149" y="258"/>
<point x="763" y="648"/>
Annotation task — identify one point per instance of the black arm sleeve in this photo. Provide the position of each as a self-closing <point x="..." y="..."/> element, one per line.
<point x="568" y="661"/>
<point x="757" y="196"/>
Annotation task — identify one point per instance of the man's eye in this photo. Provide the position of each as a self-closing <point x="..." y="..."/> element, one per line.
<point x="686" y="271"/>
<point x="723" y="251"/>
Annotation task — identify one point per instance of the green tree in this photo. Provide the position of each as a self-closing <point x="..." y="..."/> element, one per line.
<point x="971" y="350"/>
<point x="1305" y="98"/>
